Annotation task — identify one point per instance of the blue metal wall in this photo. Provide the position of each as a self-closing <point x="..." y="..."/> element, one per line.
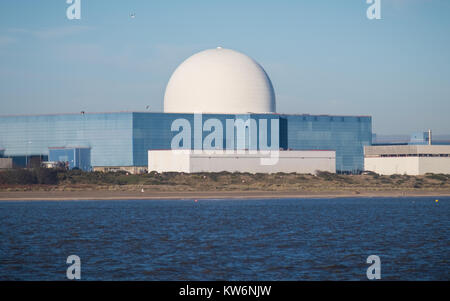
<point x="153" y="131"/>
<point x="109" y="135"/>
<point x="346" y="134"/>
<point x="76" y="157"/>
<point x="123" y="139"/>
<point x="419" y="138"/>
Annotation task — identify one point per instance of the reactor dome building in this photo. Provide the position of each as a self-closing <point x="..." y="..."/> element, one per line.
<point x="220" y="81"/>
<point x="222" y="84"/>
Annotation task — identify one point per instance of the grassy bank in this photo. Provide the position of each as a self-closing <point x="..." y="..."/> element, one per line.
<point x="77" y="180"/>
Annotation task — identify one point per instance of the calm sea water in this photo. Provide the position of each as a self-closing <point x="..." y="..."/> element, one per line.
<point x="315" y="239"/>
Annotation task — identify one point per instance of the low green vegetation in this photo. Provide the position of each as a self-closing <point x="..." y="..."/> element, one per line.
<point x="29" y="176"/>
<point x="51" y="179"/>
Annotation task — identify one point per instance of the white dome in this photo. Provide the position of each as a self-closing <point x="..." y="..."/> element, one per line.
<point x="219" y="81"/>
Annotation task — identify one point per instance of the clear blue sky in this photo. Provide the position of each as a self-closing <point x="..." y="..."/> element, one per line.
<point x="323" y="56"/>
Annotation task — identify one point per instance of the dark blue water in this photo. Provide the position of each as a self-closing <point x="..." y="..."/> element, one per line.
<point x="317" y="239"/>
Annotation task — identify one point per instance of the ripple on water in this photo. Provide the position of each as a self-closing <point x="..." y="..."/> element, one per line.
<point x="321" y="239"/>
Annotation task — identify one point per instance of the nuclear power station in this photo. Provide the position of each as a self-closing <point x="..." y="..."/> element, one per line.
<point x="216" y="100"/>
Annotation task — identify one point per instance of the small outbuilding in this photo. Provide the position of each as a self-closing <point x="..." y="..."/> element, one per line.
<point x="407" y="159"/>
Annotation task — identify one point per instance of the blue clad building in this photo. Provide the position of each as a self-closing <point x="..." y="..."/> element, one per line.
<point x="74" y="157"/>
<point x="121" y="140"/>
<point x="225" y="85"/>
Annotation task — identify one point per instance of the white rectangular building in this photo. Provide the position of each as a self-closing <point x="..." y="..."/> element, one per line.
<point x="6" y="163"/>
<point x="407" y="159"/>
<point x="280" y="161"/>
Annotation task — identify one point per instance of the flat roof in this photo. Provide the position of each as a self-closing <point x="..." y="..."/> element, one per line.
<point x="147" y="112"/>
<point x="69" y="113"/>
<point x="246" y="150"/>
<point x="67" y="147"/>
<point x="248" y="154"/>
<point x="406" y="150"/>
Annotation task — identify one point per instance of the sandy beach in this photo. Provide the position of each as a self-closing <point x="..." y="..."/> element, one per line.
<point x="152" y="195"/>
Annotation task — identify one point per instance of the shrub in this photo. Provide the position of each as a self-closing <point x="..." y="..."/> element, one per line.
<point x="327" y="176"/>
<point x="18" y="177"/>
<point x="385" y="180"/>
<point x="46" y="176"/>
<point x="439" y="177"/>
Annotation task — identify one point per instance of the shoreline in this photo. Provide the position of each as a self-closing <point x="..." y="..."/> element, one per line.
<point x="101" y="195"/>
